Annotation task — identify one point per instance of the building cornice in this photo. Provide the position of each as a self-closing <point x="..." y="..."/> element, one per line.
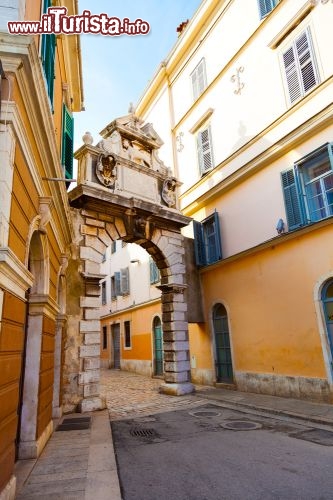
<point x="131" y="308"/>
<point x="14" y="276"/>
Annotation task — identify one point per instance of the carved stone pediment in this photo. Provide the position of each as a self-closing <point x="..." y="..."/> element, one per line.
<point x="126" y="162"/>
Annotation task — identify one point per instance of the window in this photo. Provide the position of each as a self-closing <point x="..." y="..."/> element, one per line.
<point x="127" y="326"/>
<point x="300" y="66"/>
<point x="67" y="143"/>
<point x="205" y="151"/>
<point x="105" y="337"/>
<point x="48" y="44"/>
<point x="114" y="287"/>
<point x="207" y="240"/>
<point x="113" y="247"/>
<point x="123" y="243"/>
<point x="265" y="6"/>
<point x="154" y="272"/>
<point x="104" y="292"/>
<point x="120" y="283"/>
<point x="198" y="79"/>
<point x="308" y="188"/>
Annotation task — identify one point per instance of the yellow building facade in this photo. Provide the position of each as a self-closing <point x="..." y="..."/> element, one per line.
<point x="243" y="105"/>
<point x="41" y="86"/>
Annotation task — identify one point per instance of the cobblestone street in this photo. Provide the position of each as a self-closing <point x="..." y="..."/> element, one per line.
<point x="129" y="394"/>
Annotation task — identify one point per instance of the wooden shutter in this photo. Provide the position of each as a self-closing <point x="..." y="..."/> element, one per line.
<point x="306" y="60"/>
<point x="104" y="292"/>
<point x="125" y="281"/>
<point x="198" y="78"/>
<point x="67" y="142"/>
<point x="199" y="244"/>
<point x="117" y="282"/>
<point x="205" y="152"/>
<point x="291" y="199"/>
<point x="218" y="243"/>
<point x="292" y="74"/>
<point x="300" y="68"/>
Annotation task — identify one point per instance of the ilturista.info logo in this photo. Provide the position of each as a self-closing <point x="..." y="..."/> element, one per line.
<point x="57" y="21"/>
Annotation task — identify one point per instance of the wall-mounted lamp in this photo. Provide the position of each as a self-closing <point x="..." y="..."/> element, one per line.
<point x="135" y="261"/>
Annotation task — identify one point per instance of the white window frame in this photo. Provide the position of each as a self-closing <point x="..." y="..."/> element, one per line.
<point x="203" y="152"/>
<point x="199" y="79"/>
<point x="296" y="81"/>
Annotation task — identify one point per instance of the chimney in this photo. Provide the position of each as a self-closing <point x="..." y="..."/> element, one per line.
<point x="181" y="27"/>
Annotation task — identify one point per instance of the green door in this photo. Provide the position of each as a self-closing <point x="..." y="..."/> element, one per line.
<point x="158" y="347"/>
<point x="224" y="370"/>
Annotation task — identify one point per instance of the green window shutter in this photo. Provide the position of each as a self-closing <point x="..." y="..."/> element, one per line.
<point x="205" y="151"/>
<point x="199" y="244"/>
<point x="124" y="281"/>
<point x="117" y="282"/>
<point x="67" y="142"/>
<point x="48" y="59"/>
<point x="292" y="199"/>
<point x="154" y="272"/>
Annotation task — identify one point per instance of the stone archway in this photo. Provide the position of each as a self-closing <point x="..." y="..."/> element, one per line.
<point x="126" y="192"/>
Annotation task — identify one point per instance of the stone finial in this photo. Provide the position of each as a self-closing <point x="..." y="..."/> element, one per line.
<point x="131" y="108"/>
<point x="87" y="138"/>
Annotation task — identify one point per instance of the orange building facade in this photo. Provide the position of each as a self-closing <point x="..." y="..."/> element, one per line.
<point x="41" y="86"/>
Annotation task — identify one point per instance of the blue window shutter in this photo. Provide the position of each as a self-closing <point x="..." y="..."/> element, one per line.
<point x="117" y="283"/>
<point x="265" y="6"/>
<point x="292" y="199"/>
<point x="67" y="142"/>
<point x="218" y="243"/>
<point x="199" y="244"/>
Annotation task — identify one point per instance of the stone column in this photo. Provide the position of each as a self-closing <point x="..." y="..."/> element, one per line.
<point x="57" y="403"/>
<point x="177" y="373"/>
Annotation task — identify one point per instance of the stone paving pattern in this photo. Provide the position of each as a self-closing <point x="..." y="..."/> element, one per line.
<point x="124" y="400"/>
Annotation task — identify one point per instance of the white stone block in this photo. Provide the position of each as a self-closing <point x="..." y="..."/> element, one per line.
<point x="91" y="363"/>
<point x="90" y="390"/>
<point x="90" y="302"/>
<point x="92" y="338"/>
<point x="89" y="253"/>
<point x="89" y="326"/>
<point x="87" y="351"/>
<point x="89" y="377"/>
<point x="91" y="404"/>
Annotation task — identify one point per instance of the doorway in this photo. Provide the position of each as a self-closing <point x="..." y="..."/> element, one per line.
<point x="327" y="298"/>
<point x="224" y="369"/>
<point x="115" y="333"/>
<point x="158" y="346"/>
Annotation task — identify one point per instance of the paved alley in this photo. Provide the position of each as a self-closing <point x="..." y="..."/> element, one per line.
<point x="129" y="394"/>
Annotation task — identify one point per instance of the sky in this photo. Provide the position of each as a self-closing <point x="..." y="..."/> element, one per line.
<point x="117" y="69"/>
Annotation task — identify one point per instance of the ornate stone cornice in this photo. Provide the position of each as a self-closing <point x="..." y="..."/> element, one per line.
<point x="14" y="276"/>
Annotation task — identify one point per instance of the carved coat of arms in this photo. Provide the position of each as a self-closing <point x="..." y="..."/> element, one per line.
<point x="106" y="170"/>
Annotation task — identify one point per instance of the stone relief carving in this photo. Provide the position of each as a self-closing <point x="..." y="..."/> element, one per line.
<point x="169" y="191"/>
<point x="45" y="207"/>
<point x="106" y="170"/>
<point x="134" y="153"/>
